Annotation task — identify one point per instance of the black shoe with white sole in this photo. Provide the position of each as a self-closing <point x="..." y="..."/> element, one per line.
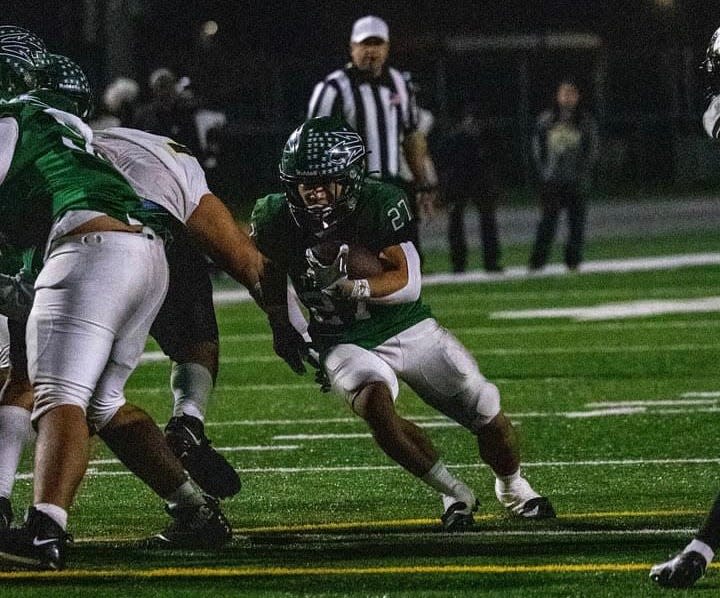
<point x="681" y="571"/>
<point x="459" y="516"/>
<point x="39" y="543"/>
<point x="186" y="436"/>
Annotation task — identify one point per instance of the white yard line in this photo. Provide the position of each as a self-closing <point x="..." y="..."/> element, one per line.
<point x="643" y="264"/>
<point x="624" y="309"/>
<point x="653" y="403"/>
<point x="95" y="472"/>
<point x="249" y="359"/>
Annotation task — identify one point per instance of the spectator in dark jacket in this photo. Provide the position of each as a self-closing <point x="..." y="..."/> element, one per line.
<point x="564" y="148"/>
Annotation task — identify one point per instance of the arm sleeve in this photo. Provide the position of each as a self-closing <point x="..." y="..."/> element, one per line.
<point x="411" y="291"/>
<point x="9" y="134"/>
<point x="295" y="314"/>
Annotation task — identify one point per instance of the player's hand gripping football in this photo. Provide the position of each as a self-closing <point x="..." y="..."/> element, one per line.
<point x="333" y="278"/>
<point x="326" y="275"/>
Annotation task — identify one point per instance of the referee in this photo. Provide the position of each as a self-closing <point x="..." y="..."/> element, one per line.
<point x="378" y="101"/>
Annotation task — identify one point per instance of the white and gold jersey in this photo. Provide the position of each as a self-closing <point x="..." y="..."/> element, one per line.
<point x="157" y="168"/>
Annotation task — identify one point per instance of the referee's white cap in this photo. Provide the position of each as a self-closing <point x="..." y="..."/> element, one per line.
<point x="367" y="27"/>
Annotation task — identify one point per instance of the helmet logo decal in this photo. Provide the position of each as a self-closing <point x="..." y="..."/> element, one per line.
<point x="346" y="148"/>
<point x="21" y="46"/>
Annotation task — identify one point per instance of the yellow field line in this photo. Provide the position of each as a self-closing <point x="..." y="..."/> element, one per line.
<point x="427" y="521"/>
<point x="187" y="572"/>
<point x="390" y="523"/>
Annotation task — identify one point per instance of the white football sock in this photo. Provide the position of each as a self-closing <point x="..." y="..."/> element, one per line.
<point x="513" y="490"/>
<point x="187" y="495"/>
<point x="452" y="489"/>
<point x="699" y="546"/>
<point x="191" y="385"/>
<point x="15" y="432"/>
<point x="57" y="514"/>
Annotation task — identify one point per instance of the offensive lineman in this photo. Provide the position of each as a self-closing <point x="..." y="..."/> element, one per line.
<point x="162" y="171"/>
<point x="102" y="282"/>
<point x="372" y="332"/>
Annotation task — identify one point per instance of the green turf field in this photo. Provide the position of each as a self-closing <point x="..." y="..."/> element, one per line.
<point x="619" y="420"/>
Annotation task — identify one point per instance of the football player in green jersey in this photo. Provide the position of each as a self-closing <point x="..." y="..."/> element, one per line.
<point x="102" y="282"/>
<point x="372" y="332"/>
<point x="173" y="182"/>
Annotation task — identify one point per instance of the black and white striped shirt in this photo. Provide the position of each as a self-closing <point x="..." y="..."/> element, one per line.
<point x="383" y="110"/>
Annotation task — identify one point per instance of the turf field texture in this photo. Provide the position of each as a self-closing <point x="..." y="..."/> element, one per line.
<point x="619" y="419"/>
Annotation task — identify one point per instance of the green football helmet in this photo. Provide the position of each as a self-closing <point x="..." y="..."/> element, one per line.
<point x="68" y="79"/>
<point x="320" y="151"/>
<point x="24" y="61"/>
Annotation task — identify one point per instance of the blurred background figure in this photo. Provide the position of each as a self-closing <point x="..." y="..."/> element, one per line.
<point x="170" y="111"/>
<point x="468" y="160"/>
<point x="174" y="111"/>
<point x="426" y="124"/>
<point x="565" y="148"/>
<point x="117" y="105"/>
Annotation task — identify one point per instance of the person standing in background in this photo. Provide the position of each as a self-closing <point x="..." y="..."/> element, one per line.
<point x="469" y="173"/>
<point x="379" y="102"/>
<point x="565" y="147"/>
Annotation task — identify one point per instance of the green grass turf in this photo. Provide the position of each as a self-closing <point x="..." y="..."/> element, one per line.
<point x="334" y="517"/>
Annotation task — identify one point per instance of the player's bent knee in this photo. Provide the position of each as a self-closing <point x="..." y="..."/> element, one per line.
<point x="351" y="368"/>
<point x="48" y="396"/>
<point x="372" y="401"/>
<point x="486" y="405"/>
<point x="99" y="413"/>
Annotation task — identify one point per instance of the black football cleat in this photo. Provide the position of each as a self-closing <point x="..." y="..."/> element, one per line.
<point x="535" y="508"/>
<point x="39" y="543"/>
<point x="681" y="571"/>
<point x="6" y="514"/>
<point x="200" y="527"/>
<point x="459" y="516"/>
<point x="212" y="472"/>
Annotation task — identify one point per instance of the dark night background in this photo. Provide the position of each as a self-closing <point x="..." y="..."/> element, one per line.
<point x="638" y="69"/>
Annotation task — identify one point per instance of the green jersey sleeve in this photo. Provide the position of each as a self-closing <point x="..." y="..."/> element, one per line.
<point x="267" y="225"/>
<point x="54" y="170"/>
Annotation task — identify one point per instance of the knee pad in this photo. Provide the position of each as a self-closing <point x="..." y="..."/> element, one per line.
<point x="485" y="403"/>
<point x="350" y="368"/>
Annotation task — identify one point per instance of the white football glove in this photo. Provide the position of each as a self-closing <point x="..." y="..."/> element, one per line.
<point x="325" y="276"/>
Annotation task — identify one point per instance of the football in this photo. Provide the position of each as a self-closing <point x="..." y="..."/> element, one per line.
<point x="361" y="262"/>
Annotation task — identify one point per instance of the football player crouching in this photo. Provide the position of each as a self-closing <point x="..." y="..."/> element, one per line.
<point x="372" y="332"/>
